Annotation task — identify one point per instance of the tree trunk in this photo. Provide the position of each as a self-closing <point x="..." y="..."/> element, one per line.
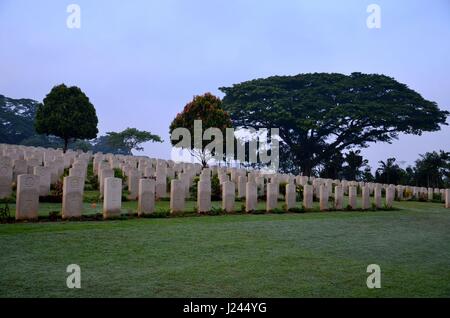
<point x="306" y="169"/>
<point x="66" y="142"/>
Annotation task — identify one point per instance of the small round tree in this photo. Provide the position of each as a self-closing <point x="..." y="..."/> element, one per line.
<point x="206" y="108"/>
<point x="66" y="112"/>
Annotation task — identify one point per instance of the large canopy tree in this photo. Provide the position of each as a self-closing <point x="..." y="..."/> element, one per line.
<point x="320" y="114"/>
<point x="66" y="113"/>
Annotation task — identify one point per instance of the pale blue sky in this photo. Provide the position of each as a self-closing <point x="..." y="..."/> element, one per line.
<point x="141" y="61"/>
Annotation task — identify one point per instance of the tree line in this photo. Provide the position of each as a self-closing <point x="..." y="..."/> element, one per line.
<point x="65" y="119"/>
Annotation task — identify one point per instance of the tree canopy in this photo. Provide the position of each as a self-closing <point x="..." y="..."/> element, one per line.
<point x="66" y="112"/>
<point x="16" y="119"/>
<point x="320" y="114"/>
<point x="433" y="169"/>
<point x="131" y="138"/>
<point x="206" y="108"/>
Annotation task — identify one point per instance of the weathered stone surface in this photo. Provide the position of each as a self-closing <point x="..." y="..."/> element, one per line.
<point x="6" y="177"/>
<point x="72" y="201"/>
<point x="177" y="196"/>
<point x="272" y="196"/>
<point x="308" y="196"/>
<point x="390" y="195"/>
<point x="228" y="196"/>
<point x="291" y="196"/>
<point x="161" y="181"/>
<point x="377" y="196"/>
<point x="112" y="198"/>
<point x="133" y="184"/>
<point x="338" y="197"/>
<point x="27" y="197"/>
<point x="447" y="198"/>
<point x="146" y="197"/>
<point x="242" y="184"/>
<point x="103" y="174"/>
<point x="400" y="190"/>
<point x="204" y="196"/>
<point x="20" y="167"/>
<point x="352" y="193"/>
<point x="430" y="194"/>
<point x="251" y="196"/>
<point x="365" y="203"/>
<point x="324" y="197"/>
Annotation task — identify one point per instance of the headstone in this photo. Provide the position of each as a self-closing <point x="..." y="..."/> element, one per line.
<point x="272" y="196"/>
<point x="20" y="167"/>
<point x="430" y="194"/>
<point x="251" y="196"/>
<point x="6" y="176"/>
<point x="447" y="198"/>
<point x="72" y="201"/>
<point x="291" y="194"/>
<point x="400" y="190"/>
<point x="377" y="196"/>
<point x="149" y="172"/>
<point x="133" y="184"/>
<point x="390" y="194"/>
<point x="161" y="181"/>
<point x="308" y="196"/>
<point x="365" y="204"/>
<point x="103" y="174"/>
<point x="204" y="196"/>
<point x="146" y="202"/>
<point x="242" y="183"/>
<point x="352" y="197"/>
<point x="112" y="197"/>
<point x="228" y="196"/>
<point x="78" y="172"/>
<point x="177" y="196"/>
<point x="27" y="197"/>
<point x="324" y="197"/>
<point x="338" y="197"/>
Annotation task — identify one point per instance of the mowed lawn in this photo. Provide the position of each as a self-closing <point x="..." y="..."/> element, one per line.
<point x="320" y="254"/>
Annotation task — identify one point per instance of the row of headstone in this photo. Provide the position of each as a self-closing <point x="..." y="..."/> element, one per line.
<point x="239" y="184"/>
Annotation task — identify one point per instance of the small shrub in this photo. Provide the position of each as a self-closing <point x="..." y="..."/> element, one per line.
<point x="278" y="211"/>
<point x="297" y="210"/>
<point x="11" y="200"/>
<point x="216" y="189"/>
<point x="258" y="212"/>
<point x="299" y="192"/>
<point x="54" y="215"/>
<point x="5" y="212"/>
<point x="216" y="211"/>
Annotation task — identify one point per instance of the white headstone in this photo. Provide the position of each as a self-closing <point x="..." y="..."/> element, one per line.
<point x="27" y="197"/>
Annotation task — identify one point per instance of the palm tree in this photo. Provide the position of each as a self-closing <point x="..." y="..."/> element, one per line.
<point x="355" y="162"/>
<point x="432" y="168"/>
<point x="389" y="171"/>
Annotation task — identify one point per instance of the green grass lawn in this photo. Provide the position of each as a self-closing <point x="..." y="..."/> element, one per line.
<point x="323" y="254"/>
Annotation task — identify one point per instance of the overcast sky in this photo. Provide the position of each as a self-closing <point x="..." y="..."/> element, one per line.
<point x="140" y="62"/>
